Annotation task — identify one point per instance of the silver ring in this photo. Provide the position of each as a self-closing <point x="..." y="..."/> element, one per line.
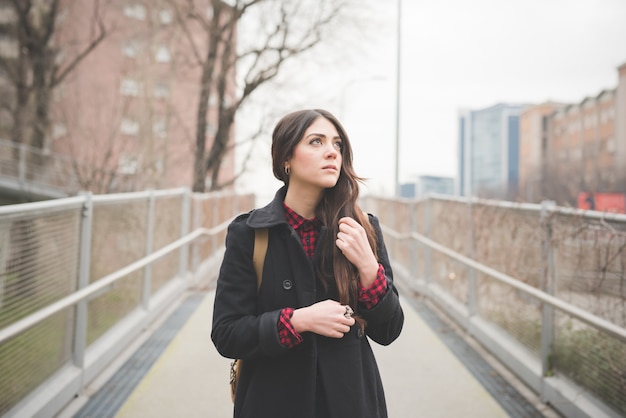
<point x="349" y="312"/>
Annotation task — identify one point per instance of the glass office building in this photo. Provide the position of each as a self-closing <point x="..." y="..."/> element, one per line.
<point x="489" y="151"/>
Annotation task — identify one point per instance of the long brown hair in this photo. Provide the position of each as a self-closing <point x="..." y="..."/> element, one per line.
<point x="336" y="203"/>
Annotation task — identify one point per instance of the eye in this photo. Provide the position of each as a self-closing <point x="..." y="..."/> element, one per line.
<point x="315" y="141"/>
<point x="339" y="145"/>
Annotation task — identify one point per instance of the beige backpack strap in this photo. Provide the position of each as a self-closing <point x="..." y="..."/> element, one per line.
<point x="258" y="259"/>
<point x="258" y="256"/>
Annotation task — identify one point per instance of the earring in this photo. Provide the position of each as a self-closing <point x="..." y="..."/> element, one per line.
<point x="287" y="170"/>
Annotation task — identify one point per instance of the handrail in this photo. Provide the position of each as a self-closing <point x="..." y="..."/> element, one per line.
<point x="524" y="207"/>
<point x="568" y="308"/>
<point x="40" y="315"/>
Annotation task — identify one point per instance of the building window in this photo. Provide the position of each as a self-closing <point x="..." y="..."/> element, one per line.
<point x="161" y="90"/>
<point x="127" y="164"/>
<point x="130" y="48"/>
<point x="58" y="93"/>
<point x="129" y="87"/>
<point x="8" y="47"/>
<point x="135" y="11"/>
<point x="58" y="130"/>
<point x="159" y="165"/>
<point x="60" y="18"/>
<point x="129" y="126"/>
<point x="59" y="56"/>
<point x="7" y="14"/>
<point x="159" y="128"/>
<point x="6" y="119"/>
<point x="210" y="129"/>
<point x="165" y="16"/>
<point x="163" y="54"/>
<point x="610" y="145"/>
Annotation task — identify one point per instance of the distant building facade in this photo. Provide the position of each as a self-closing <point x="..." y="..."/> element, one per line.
<point x="566" y="150"/>
<point x="533" y="149"/>
<point x="423" y="185"/>
<point x="489" y="151"/>
<point x="130" y="106"/>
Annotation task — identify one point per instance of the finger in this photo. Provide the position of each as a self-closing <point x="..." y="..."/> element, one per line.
<point x="349" y="322"/>
<point x="350" y="225"/>
<point x="348" y="221"/>
<point x="343" y="237"/>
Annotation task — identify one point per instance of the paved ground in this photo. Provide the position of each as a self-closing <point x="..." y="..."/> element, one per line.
<point x="423" y="374"/>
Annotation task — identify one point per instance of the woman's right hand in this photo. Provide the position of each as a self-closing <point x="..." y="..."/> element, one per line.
<point x="327" y="318"/>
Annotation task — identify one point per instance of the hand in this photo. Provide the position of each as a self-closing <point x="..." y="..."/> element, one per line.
<point x="353" y="243"/>
<point x="325" y="318"/>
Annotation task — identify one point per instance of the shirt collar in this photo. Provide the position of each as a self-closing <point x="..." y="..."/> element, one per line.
<point x="296" y="221"/>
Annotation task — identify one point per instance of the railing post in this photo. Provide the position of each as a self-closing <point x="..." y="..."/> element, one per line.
<point x="21" y="165"/>
<point x="147" y="270"/>
<point x="547" y="285"/>
<point x="472" y="297"/>
<point x="84" y="270"/>
<point x="428" y="259"/>
<point x="412" y="243"/>
<point x="197" y="223"/>
<point x="214" y="220"/>
<point x="184" y="230"/>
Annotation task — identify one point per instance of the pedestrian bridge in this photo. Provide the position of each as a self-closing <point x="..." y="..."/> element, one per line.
<point x="511" y="310"/>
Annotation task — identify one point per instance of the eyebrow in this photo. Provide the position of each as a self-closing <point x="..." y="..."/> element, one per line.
<point x="316" y="134"/>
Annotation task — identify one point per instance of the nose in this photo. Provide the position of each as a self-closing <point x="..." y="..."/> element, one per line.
<point x="331" y="151"/>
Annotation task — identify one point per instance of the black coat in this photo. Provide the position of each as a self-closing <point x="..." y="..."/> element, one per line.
<point x="277" y="382"/>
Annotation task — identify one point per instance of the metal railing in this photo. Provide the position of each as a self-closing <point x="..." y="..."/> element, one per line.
<point x="39" y="172"/>
<point x="542" y="288"/>
<point x="82" y="277"/>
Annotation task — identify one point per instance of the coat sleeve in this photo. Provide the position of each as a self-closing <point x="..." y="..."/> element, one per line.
<point x="385" y="320"/>
<point x="239" y="331"/>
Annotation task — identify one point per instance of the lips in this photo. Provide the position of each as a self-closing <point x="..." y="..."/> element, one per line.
<point x="329" y="167"/>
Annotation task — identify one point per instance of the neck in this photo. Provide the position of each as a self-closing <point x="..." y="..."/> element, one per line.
<point x="303" y="202"/>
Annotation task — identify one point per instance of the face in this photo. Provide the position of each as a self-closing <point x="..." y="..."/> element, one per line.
<point x="316" y="160"/>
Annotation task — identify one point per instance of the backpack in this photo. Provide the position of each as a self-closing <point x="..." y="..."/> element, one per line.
<point x="258" y="259"/>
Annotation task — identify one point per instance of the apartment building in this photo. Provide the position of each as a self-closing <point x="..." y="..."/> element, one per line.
<point x="534" y="135"/>
<point x="489" y="151"/>
<point x="130" y="106"/>
<point x="580" y="147"/>
<point x="620" y="126"/>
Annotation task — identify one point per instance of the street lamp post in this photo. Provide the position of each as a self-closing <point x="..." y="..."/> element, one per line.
<point x="397" y="165"/>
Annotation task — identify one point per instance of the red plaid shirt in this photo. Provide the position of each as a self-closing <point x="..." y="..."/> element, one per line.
<point x="309" y="231"/>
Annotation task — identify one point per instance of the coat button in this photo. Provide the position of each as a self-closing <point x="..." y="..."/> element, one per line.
<point x="287" y="284"/>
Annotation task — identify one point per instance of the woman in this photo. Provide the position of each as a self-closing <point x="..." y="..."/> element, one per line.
<point x="327" y="285"/>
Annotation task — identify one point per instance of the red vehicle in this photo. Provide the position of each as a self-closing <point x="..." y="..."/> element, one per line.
<point x="603" y="202"/>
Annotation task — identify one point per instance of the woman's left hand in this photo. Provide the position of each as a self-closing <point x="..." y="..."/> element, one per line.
<point x="353" y="243"/>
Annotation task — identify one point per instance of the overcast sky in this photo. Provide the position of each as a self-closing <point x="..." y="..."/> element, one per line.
<point x="461" y="54"/>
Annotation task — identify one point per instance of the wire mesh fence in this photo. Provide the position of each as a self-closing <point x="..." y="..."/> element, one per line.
<point x="31" y="167"/>
<point x="578" y="257"/>
<point x="51" y="250"/>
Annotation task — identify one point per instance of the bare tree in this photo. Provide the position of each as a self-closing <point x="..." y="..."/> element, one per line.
<point x="35" y="67"/>
<point x="284" y="30"/>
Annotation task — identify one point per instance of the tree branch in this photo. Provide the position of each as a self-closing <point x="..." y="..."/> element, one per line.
<point x="55" y="80"/>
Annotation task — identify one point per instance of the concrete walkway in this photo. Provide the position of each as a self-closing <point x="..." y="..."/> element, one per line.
<point x="422" y="377"/>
